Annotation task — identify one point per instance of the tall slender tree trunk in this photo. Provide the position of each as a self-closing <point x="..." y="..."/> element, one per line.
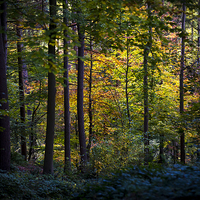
<point x="146" y="95"/>
<point x="161" y="145"/>
<point x="21" y="92"/>
<point x="66" y="96"/>
<point x="32" y="135"/>
<point x="80" y="97"/>
<point x="126" y="89"/>
<point x="4" y="28"/>
<point x="90" y="101"/>
<point x="192" y="31"/>
<point x="161" y="153"/>
<point x="175" y="151"/>
<point x="48" y="159"/>
<point x="198" y="56"/>
<point x="4" y="118"/>
<point x="198" y="42"/>
<point x="182" y="134"/>
<point x="146" y="109"/>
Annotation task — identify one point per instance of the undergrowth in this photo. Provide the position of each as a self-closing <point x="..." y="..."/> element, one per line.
<point x="156" y="182"/>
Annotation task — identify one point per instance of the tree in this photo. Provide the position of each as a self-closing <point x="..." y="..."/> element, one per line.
<point x="21" y="90"/>
<point x="182" y="135"/>
<point x="90" y="113"/>
<point x="66" y="94"/>
<point x="80" y="95"/>
<point x="48" y="159"/>
<point x="198" y="41"/>
<point x="126" y="88"/>
<point x="147" y="49"/>
<point x="4" y="117"/>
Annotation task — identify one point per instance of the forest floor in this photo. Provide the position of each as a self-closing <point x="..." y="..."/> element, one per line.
<point x="156" y="182"/>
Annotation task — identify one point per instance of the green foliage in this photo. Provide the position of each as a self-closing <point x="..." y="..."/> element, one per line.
<point x="17" y="159"/>
<point x="120" y="30"/>
<point x="27" y="186"/>
<point x="151" y="182"/>
<point x="146" y="183"/>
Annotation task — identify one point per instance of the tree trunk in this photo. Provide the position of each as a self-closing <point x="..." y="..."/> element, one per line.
<point x="4" y="118"/>
<point x="198" y="54"/>
<point x="146" y="96"/>
<point x="66" y="96"/>
<point x="126" y="89"/>
<point x="80" y="98"/>
<point x="175" y="151"/>
<point x="4" y="28"/>
<point x="146" y="109"/>
<point x="48" y="159"/>
<point x="182" y="135"/>
<point x="192" y="31"/>
<point x="161" y="153"/>
<point x="21" y="92"/>
<point x="90" y="102"/>
<point x="33" y="135"/>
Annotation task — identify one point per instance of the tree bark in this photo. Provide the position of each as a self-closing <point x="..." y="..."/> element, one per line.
<point x="90" y="102"/>
<point x="4" y="117"/>
<point x="146" y="109"/>
<point x="66" y="96"/>
<point x="182" y="135"/>
<point x="21" y="91"/>
<point x="126" y="89"/>
<point x="192" y="31"/>
<point x="33" y="135"/>
<point x="48" y="159"/>
<point x="146" y="95"/>
<point x="80" y="98"/>
<point x="198" y="42"/>
<point x="161" y="153"/>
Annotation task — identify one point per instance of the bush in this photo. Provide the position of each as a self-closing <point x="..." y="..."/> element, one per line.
<point x="152" y="182"/>
<point x="178" y="182"/>
<point x="28" y="186"/>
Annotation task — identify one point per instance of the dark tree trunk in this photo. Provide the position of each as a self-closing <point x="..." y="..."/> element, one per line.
<point x="21" y="92"/>
<point x="198" y="62"/>
<point x="90" y="102"/>
<point x="4" y="118"/>
<point x="32" y="139"/>
<point x="182" y="135"/>
<point x="32" y="135"/>
<point x="198" y="54"/>
<point x="192" y="31"/>
<point x="80" y="98"/>
<point x="146" y="95"/>
<point x="48" y="159"/>
<point x="175" y="151"/>
<point x="66" y="97"/>
<point x="26" y="90"/>
<point x="28" y="112"/>
<point x="161" y="146"/>
<point x="146" y="109"/>
<point x="126" y="89"/>
<point x="4" y="28"/>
